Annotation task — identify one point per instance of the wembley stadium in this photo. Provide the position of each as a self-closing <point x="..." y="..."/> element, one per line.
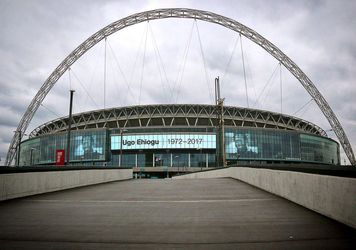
<point x="183" y="136"/>
<point x="171" y="137"/>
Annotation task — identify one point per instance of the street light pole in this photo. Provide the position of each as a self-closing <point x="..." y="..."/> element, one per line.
<point x="69" y="125"/>
<point x="221" y="128"/>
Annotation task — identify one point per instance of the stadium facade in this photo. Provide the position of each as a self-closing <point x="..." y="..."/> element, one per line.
<point x="179" y="136"/>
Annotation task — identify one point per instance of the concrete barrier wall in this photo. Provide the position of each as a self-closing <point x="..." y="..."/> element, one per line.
<point x="24" y="184"/>
<point x="331" y="196"/>
<point x="218" y="173"/>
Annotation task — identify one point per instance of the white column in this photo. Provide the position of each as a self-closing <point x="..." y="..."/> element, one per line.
<point x="206" y="160"/>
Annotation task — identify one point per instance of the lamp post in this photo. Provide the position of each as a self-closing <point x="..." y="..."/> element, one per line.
<point x="69" y="125"/>
<point x="121" y="135"/>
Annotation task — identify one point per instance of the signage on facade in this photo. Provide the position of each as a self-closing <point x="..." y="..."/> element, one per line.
<point x="60" y="156"/>
<point x="162" y="141"/>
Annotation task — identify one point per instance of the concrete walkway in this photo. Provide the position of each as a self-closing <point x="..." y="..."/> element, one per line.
<point x="159" y="214"/>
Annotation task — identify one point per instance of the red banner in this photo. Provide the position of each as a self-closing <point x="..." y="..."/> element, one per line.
<point x="60" y="157"/>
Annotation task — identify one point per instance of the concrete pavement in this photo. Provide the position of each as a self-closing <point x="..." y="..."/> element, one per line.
<point x="157" y="214"/>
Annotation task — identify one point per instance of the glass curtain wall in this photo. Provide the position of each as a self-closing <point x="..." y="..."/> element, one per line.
<point x="241" y="144"/>
<point x="86" y="146"/>
<point x="261" y="144"/>
<point x="163" y="160"/>
<point x="180" y="160"/>
<point x="30" y="152"/>
<point x="279" y="145"/>
<point x="198" y="160"/>
<point x="319" y="149"/>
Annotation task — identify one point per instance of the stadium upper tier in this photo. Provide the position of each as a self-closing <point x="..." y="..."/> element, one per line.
<point x="177" y="115"/>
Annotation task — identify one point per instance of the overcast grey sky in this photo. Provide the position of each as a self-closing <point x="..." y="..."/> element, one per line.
<point x="36" y="35"/>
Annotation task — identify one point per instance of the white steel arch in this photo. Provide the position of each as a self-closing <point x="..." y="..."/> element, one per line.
<point x="180" y="13"/>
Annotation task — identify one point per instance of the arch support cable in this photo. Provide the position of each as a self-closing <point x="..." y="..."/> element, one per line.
<point x="244" y="70"/>
<point x="204" y="61"/>
<point x="143" y="64"/>
<point x="105" y="74"/>
<point x="280" y="86"/>
<point x="160" y="64"/>
<point x="181" y="13"/>
<point x="181" y="68"/>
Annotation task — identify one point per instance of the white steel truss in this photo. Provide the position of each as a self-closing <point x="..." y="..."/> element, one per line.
<point x="177" y="115"/>
<point x="180" y="13"/>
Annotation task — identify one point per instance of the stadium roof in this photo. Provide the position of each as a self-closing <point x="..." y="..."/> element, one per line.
<point x="177" y="115"/>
